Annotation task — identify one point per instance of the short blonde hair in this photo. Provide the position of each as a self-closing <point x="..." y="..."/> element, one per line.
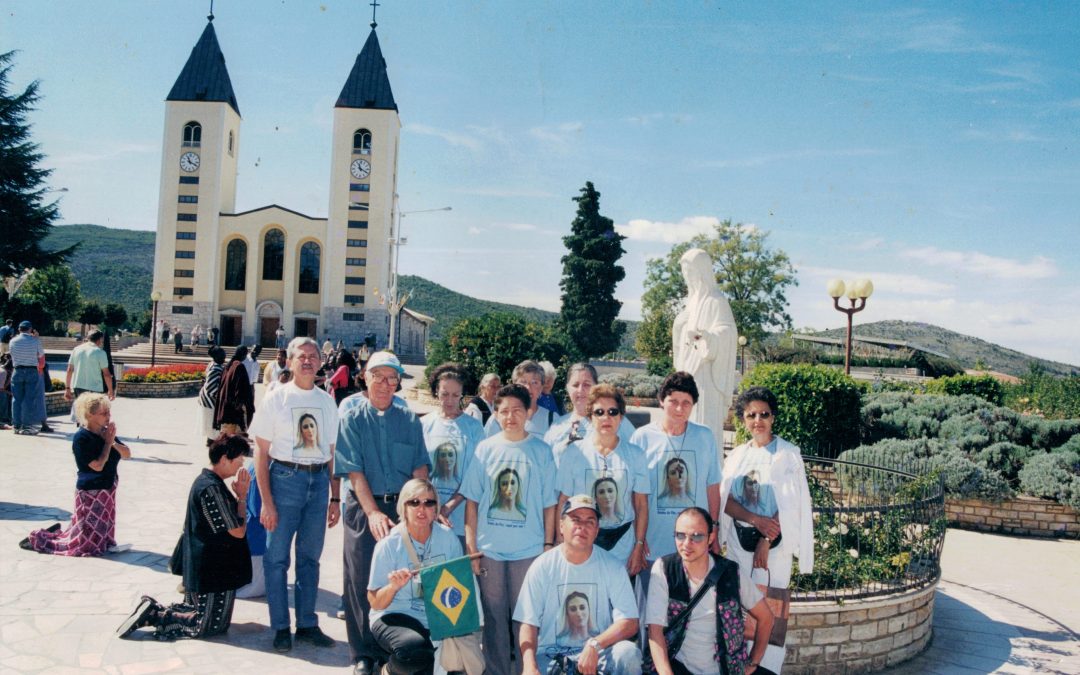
<point x="90" y="403"/>
<point x="414" y="488"/>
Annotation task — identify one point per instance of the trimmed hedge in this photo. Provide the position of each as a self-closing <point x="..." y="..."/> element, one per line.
<point x="1055" y="476"/>
<point x="819" y="406"/>
<point x="637" y="385"/>
<point x="983" y="386"/>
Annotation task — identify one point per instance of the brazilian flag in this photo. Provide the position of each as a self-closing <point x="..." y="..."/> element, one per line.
<point x="450" y="598"/>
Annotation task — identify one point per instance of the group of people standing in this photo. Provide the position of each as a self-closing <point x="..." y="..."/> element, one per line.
<point x="596" y="546"/>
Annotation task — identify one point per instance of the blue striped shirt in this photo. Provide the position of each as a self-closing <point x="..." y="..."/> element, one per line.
<point x="26" y="350"/>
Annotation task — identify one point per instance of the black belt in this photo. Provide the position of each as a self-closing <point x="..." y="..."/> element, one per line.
<point x="388" y="498"/>
<point x="34" y="367"/>
<point x="310" y="468"/>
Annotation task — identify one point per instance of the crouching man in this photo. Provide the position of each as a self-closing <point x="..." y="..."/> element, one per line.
<point x="577" y="605"/>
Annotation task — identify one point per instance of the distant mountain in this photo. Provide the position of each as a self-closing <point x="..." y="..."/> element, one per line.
<point x="112" y="265"/>
<point x="964" y="349"/>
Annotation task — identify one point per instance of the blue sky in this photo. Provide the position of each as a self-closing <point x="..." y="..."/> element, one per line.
<point x="932" y="147"/>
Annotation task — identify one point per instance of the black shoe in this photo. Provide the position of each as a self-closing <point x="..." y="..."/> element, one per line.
<point x="46" y="429"/>
<point x="365" y="666"/>
<point x="314" y="636"/>
<point x="25" y="545"/>
<point x="142" y="616"/>
<point x="54" y="527"/>
<point x="283" y="641"/>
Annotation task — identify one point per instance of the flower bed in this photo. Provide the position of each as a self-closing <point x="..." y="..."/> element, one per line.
<point x="182" y="372"/>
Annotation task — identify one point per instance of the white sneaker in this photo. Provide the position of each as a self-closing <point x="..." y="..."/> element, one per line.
<point x="120" y="548"/>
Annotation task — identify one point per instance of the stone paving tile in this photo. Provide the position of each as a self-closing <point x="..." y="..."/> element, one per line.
<point x="58" y="615"/>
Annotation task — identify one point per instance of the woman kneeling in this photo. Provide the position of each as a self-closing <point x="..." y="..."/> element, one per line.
<point x="398" y="620"/>
<point x="212" y="554"/>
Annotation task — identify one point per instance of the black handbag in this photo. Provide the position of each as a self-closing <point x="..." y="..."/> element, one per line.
<point x="749" y="537"/>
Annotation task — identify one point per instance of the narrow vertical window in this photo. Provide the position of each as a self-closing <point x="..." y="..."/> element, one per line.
<point x="235" y="265"/>
<point x="273" y="255"/>
<point x="192" y="135"/>
<point x="361" y="143"/>
<point x="309" y="268"/>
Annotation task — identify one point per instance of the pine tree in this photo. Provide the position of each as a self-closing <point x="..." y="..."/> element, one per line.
<point x="25" y="217"/>
<point x="590" y="275"/>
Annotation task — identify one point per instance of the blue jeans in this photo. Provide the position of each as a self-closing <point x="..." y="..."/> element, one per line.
<point x="621" y="658"/>
<point x="28" y="391"/>
<point x="301" y="499"/>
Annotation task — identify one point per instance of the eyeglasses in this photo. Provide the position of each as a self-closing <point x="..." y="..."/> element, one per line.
<point x="610" y="412"/>
<point x="426" y="503"/>
<point x="753" y="416"/>
<point x="697" y="537"/>
<point x="385" y="379"/>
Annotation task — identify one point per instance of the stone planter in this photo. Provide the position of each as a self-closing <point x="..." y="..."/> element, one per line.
<point x="860" y="636"/>
<point x="1025" y="516"/>
<point x="159" y="389"/>
<point x="56" y="405"/>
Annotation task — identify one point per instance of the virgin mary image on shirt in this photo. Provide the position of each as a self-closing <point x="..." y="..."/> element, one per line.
<point x="507" y="503"/>
<point x="307" y="443"/>
<point x="576" y="620"/>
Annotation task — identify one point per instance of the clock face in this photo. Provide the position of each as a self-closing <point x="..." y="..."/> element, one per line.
<point x="189" y="161"/>
<point x="360" y="168"/>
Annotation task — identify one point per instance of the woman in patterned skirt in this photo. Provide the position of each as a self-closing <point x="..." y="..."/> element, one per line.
<point x="212" y="553"/>
<point x="97" y="452"/>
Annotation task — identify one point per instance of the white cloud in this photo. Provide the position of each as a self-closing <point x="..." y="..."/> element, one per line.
<point x="668" y="233"/>
<point x="646" y="119"/>
<point x="114" y="151"/>
<point x="507" y="192"/>
<point x="772" y="158"/>
<point x="974" y="262"/>
<point x="474" y="231"/>
<point x="893" y="283"/>
<point x="558" y="137"/>
<point x="452" y="137"/>
<point x="868" y="244"/>
<point x="521" y="227"/>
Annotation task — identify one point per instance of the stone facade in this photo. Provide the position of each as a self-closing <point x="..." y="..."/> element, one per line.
<point x="860" y="636"/>
<point x="1026" y="516"/>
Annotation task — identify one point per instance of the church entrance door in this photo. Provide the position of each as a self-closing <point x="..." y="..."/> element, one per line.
<point x="267" y="331"/>
<point x="232" y="330"/>
<point x="306" y="328"/>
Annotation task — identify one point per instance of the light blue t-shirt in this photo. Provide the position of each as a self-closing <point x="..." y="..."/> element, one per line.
<point x="610" y="481"/>
<point x="451" y="444"/>
<point x="391" y="554"/>
<point x="512" y="483"/>
<point x="680" y="469"/>
<point x="572" y="603"/>
<point x="559" y="435"/>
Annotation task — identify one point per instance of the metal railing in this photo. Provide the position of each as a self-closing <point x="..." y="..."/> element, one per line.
<point x="878" y="530"/>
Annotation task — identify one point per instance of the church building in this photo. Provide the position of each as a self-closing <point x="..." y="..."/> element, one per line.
<point x="249" y="272"/>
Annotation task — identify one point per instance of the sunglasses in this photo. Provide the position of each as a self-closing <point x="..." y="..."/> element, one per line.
<point x="610" y="412"/>
<point x="428" y="503"/>
<point x="696" y="537"/>
<point x="753" y="416"/>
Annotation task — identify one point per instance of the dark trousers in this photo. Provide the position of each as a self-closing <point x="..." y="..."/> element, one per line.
<point x="407" y="642"/>
<point x="359" y="548"/>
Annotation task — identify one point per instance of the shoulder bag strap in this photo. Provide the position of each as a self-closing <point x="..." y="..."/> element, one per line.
<point x="710" y="580"/>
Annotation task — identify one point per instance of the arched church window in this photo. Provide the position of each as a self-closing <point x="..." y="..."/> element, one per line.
<point x="361" y="142"/>
<point x="309" y="268"/>
<point x="235" y="265"/>
<point x="273" y="255"/>
<point x="230" y="142"/>
<point x="192" y="135"/>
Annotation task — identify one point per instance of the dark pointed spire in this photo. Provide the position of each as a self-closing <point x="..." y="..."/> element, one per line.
<point x="204" y="77"/>
<point x="368" y="85"/>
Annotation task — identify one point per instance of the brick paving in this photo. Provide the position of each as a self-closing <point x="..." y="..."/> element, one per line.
<point x="58" y="615"/>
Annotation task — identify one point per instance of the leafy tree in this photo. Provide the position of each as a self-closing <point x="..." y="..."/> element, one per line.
<point x="115" y="315"/>
<point x="25" y="218"/>
<point x="654" y="341"/>
<point x="752" y="276"/>
<point x="92" y="314"/>
<point x="590" y="275"/>
<point x="495" y="343"/>
<point x="20" y="308"/>
<point x="56" y="289"/>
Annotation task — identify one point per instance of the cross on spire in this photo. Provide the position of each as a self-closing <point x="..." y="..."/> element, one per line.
<point x="374" y="6"/>
<point x="210" y="16"/>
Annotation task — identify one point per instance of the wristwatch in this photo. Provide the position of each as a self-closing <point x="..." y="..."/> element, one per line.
<point x="595" y="644"/>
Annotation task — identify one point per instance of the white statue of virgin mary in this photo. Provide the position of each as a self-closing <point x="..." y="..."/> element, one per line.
<point x="704" y="342"/>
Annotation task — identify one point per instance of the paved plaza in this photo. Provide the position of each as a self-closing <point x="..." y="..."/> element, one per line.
<point x="1005" y="604"/>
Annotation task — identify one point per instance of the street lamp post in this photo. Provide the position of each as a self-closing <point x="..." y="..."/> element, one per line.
<point x="857" y="293"/>
<point x="394" y="303"/>
<point x="742" y="354"/>
<point x="155" y="296"/>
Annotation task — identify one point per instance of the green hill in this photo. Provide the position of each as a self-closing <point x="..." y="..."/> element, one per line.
<point x="964" y="349"/>
<point x="112" y="265"/>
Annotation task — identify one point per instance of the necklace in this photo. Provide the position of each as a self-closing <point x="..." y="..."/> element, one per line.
<point x="682" y="443"/>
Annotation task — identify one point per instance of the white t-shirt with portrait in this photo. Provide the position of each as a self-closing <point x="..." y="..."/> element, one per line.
<point x="301" y="424"/>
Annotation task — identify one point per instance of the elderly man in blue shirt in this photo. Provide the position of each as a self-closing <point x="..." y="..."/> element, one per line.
<point x="27" y="388"/>
<point x="380" y="446"/>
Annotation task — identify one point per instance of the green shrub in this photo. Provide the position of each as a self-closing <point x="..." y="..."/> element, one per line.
<point x="1005" y="458"/>
<point x="641" y="385"/>
<point x="963" y="478"/>
<point x="984" y="386"/>
<point x="819" y="406"/>
<point x="1044" y="394"/>
<point x="1055" y="475"/>
<point x="1071" y="445"/>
